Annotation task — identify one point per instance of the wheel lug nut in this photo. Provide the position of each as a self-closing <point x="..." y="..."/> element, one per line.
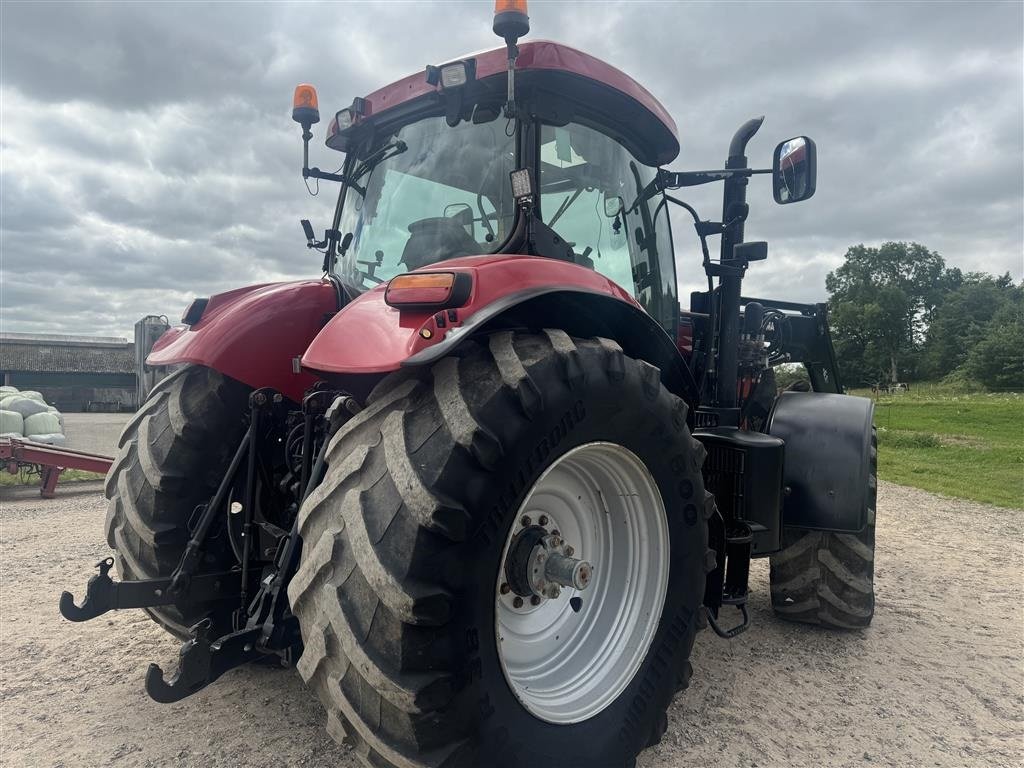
<point x="555" y="533"/>
<point x="517" y="603"/>
<point x="505" y="589"/>
<point x="525" y="521"/>
<point x="535" y="600"/>
<point x="542" y="520"/>
<point x="569" y="551"/>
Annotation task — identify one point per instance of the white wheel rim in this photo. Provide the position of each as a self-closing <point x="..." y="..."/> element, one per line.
<point x="566" y="666"/>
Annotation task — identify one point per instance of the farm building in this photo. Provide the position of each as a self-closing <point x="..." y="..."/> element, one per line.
<point x="74" y="373"/>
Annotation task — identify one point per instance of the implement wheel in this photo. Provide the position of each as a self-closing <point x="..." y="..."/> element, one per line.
<point x="505" y="562"/>
<point x="173" y="454"/>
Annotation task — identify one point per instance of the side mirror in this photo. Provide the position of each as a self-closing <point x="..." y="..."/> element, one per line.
<point x="794" y="170"/>
<point x="613" y="206"/>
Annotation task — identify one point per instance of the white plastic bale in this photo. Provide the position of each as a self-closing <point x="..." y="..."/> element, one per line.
<point x="58" y="414"/>
<point x="7" y="390"/>
<point x="55" y="438"/>
<point x="44" y="423"/>
<point x="11" y="423"/>
<point x="23" y="405"/>
<point x="31" y="394"/>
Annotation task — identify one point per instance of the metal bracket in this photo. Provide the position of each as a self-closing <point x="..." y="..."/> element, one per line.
<point x="729" y="634"/>
<point x="201" y="662"/>
<point x="103" y="594"/>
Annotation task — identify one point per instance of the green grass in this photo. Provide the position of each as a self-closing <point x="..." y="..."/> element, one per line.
<point x="944" y="439"/>
<point x="32" y="479"/>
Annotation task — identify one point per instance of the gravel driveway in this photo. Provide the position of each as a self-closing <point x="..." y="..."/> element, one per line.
<point x="937" y="680"/>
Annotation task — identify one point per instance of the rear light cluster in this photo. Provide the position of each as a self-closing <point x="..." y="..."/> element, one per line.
<point x="434" y="290"/>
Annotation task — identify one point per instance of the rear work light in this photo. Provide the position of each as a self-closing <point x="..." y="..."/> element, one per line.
<point x="428" y="289"/>
<point x="453" y="75"/>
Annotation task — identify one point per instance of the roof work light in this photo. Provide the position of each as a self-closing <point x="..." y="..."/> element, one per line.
<point x="453" y="75"/>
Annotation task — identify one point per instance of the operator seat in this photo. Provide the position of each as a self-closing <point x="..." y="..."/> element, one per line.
<point x="436" y="239"/>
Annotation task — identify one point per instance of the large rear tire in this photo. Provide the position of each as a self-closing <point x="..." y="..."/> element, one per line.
<point x="400" y="589"/>
<point x="173" y="453"/>
<point x="829" y="578"/>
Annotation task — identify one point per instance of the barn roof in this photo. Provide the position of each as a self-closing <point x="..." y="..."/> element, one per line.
<point x="52" y="353"/>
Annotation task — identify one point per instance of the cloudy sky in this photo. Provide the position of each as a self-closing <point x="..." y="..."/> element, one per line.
<point x="148" y="154"/>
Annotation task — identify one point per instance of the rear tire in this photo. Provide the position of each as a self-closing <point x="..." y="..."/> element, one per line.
<point x="403" y="543"/>
<point x="828" y="578"/>
<point x="173" y="454"/>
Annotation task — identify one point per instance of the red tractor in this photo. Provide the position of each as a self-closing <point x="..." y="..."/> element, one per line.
<point x="484" y="480"/>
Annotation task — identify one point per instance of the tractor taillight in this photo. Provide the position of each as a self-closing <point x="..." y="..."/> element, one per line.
<point x="428" y="289"/>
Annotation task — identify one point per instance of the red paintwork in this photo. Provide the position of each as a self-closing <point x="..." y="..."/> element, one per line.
<point x="684" y="338"/>
<point x="252" y="334"/>
<point x="368" y="336"/>
<point x="536" y="54"/>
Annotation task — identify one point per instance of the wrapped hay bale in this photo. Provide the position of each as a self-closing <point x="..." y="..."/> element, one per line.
<point x="58" y="414"/>
<point x="43" y="428"/>
<point x="8" y="390"/>
<point x="31" y="394"/>
<point x="23" y="405"/>
<point x="12" y="424"/>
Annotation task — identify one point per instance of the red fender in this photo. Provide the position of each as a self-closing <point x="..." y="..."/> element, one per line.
<point x="254" y="334"/>
<point x="368" y="336"/>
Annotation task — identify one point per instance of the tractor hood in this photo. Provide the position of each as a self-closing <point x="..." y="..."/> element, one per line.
<point x="369" y="336"/>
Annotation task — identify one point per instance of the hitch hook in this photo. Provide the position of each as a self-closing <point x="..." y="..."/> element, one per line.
<point x="97" y="595"/>
<point x="201" y="662"/>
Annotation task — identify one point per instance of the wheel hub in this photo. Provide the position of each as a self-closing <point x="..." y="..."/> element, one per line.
<point x="539" y="564"/>
<point x="593" y="525"/>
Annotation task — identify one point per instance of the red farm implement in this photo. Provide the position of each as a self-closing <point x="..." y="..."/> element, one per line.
<point x="48" y="461"/>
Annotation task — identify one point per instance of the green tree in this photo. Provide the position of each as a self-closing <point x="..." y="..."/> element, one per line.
<point x="882" y="301"/>
<point x="962" y="320"/>
<point x="997" y="361"/>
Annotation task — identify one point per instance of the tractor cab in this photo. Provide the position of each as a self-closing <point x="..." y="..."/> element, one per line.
<point x="428" y="160"/>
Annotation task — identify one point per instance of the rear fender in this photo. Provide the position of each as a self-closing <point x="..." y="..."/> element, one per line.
<point x="827" y="459"/>
<point x="254" y="334"/>
<point x="370" y="337"/>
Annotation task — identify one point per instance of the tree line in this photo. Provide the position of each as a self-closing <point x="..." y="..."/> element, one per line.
<point x="898" y="313"/>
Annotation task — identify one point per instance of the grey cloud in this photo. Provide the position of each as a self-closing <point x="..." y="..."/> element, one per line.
<point x="149" y="154"/>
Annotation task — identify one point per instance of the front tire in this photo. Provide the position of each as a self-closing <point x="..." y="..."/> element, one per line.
<point x="399" y="589"/>
<point x="828" y="578"/>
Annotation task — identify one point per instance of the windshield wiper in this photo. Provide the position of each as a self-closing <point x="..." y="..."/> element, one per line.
<point x="386" y="152"/>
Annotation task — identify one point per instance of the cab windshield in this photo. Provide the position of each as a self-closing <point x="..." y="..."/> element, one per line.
<point x="439" y="193"/>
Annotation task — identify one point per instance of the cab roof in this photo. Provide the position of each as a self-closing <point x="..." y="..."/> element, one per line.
<point x="627" y="107"/>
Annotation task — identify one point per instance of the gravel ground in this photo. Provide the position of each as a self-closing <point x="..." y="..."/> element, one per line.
<point x="94" y="432"/>
<point x="937" y="680"/>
